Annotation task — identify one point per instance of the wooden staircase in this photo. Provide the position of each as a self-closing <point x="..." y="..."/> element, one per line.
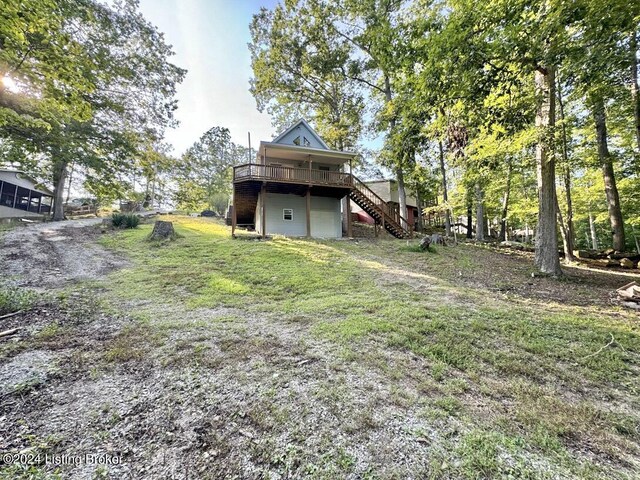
<point x="379" y="210"/>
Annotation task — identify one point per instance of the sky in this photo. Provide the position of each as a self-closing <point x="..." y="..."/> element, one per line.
<point x="209" y="38"/>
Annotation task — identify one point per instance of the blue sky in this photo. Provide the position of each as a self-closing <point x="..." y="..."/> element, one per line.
<point x="210" y="40"/>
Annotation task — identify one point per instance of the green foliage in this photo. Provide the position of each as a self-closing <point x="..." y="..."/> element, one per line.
<point x="125" y="220"/>
<point x="13" y="299"/>
<point x="94" y="83"/>
<point x="205" y="171"/>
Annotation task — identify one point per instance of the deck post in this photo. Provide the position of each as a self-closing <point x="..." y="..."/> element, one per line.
<point x="348" y="213"/>
<point x="234" y="217"/>
<point x="308" y="212"/>
<point x="263" y="195"/>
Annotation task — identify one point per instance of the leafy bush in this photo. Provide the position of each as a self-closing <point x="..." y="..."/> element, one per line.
<point x="131" y="221"/>
<point x="13" y="299"/>
<point x="117" y="219"/>
<point x="125" y="220"/>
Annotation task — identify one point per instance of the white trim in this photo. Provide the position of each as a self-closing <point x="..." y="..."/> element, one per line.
<point x="309" y="150"/>
<point x="284" y="214"/>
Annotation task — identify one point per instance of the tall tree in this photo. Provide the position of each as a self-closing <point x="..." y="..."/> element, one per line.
<point x="106" y="69"/>
<point x="298" y="70"/>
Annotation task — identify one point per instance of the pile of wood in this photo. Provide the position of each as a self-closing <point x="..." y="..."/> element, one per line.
<point x="610" y="258"/>
<point x="629" y="295"/>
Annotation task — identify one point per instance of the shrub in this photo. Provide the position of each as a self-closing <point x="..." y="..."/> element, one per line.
<point x="131" y="221"/>
<point x="125" y="220"/>
<point x="117" y="219"/>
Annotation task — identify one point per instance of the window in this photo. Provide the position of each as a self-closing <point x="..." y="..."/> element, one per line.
<point x="303" y="141"/>
<point x="287" y="214"/>
<point x="7" y="194"/>
<point x="324" y="169"/>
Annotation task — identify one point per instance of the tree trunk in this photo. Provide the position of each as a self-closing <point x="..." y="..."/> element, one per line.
<point x="611" y="190"/>
<point x="635" y="238"/>
<point x="566" y="239"/>
<point x="547" y="258"/>
<point x="568" y="229"/>
<point x="69" y="184"/>
<point x="505" y="204"/>
<point x="59" y="181"/>
<point x="419" y="207"/>
<point x="445" y="194"/>
<point x="635" y="89"/>
<point x="469" y="216"/>
<point x="480" y="225"/>
<point x="402" y="196"/>
<point x="592" y="229"/>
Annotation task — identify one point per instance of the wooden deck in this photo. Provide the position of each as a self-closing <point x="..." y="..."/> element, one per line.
<point x="281" y="174"/>
<point x="250" y="179"/>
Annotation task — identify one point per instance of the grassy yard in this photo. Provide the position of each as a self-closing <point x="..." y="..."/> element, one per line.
<point x="364" y="359"/>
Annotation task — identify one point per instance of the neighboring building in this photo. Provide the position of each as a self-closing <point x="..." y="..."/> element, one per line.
<point x="296" y="188"/>
<point x="22" y="197"/>
<point x="387" y="190"/>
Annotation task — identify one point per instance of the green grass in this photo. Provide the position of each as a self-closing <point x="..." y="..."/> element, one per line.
<point x="13" y="299"/>
<point x="523" y="362"/>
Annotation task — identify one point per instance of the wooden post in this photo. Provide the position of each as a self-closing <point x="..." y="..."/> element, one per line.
<point x="234" y="215"/>
<point x="263" y="194"/>
<point x="348" y="213"/>
<point x="308" y="212"/>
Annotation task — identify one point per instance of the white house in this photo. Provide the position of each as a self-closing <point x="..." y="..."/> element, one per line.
<point x="22" y="197"/>
<point x="296" y="187"/>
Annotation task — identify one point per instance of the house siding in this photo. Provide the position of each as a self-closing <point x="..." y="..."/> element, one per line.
<point x="301" y="131"/>
<point x="325" y="216"/>
<point x="326" y="219"/>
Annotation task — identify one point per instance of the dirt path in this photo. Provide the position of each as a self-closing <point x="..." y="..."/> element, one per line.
<point x="52" y="255"/>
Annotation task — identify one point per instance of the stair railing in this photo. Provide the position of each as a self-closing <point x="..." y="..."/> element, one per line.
<point x="373" y="197"/>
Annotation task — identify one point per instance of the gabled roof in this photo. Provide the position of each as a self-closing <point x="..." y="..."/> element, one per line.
<point x="302" y="122"/>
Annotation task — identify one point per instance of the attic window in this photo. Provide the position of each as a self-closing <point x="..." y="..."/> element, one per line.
<point x="287" y="214"/>
<point x="301" y="141"/>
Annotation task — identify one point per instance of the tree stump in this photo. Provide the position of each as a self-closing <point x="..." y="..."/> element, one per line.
<point x="162" y="230"/>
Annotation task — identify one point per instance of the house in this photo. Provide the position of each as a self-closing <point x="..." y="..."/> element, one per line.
<point x="22" y="197"/>
<point x="387" y="190"/>
<point x="296" y="188"/>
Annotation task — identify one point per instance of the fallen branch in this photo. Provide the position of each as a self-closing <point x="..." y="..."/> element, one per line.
<point x="9" y="315"/>
<point x="11" y="331"/>
<point x="613" y="340"/>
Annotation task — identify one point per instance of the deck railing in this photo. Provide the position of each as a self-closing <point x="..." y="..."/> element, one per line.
<point x="278" y="173"/>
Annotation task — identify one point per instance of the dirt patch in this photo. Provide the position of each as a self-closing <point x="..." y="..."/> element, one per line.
<point x="52" y="255"/>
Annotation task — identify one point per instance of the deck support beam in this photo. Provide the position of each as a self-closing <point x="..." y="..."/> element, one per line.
<point x="348" y="214"/>
<point x="263" y="195"/>
<point x="234" y="215"/>
<point x="308" y="212"/>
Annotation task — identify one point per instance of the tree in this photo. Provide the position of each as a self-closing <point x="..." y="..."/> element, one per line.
<point x="298" y="67"/>
<point x="205" y="171"/>
<point x="106" y="70"/>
